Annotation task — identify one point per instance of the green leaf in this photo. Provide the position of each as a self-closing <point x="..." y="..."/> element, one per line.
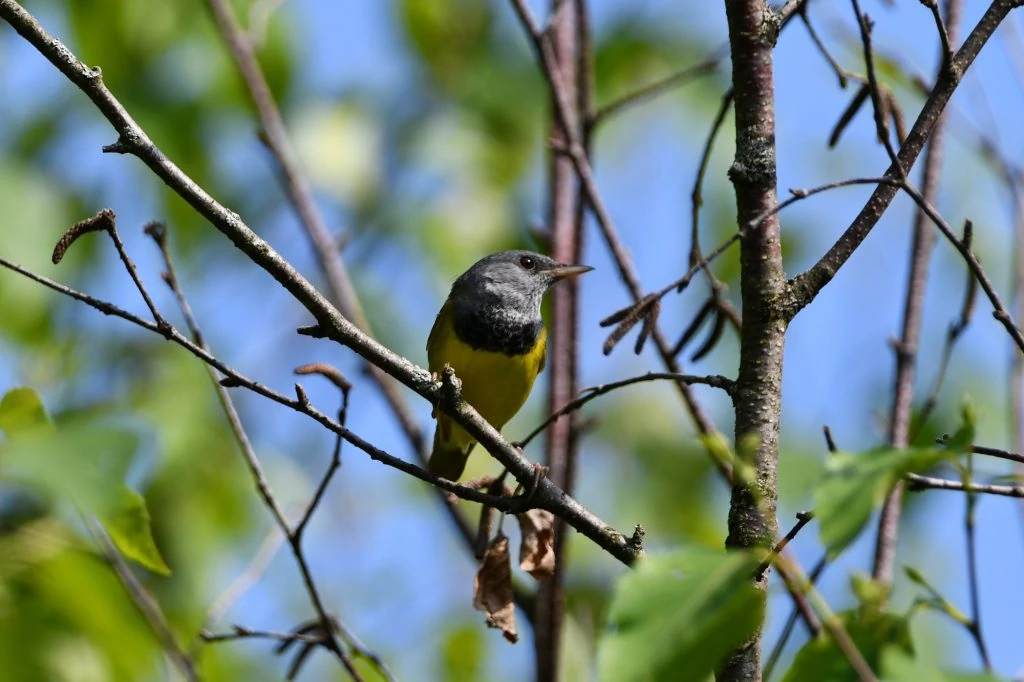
<point x="899" y="667"/>
<point x="872" y="594"/>
<point x="963" y="438"/>
<point x="128" y="526"/>
<point x="21" y="409"/>
<point x="855" y="483"/>
<point x="873" y="633"/>
<point x="81" y="462"/>
<point x="676" y="617"/>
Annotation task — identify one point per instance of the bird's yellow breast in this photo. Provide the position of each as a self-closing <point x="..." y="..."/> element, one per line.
<point x="495" y="384"/>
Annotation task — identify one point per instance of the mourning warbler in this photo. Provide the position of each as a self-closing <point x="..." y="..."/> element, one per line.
<point x="491" y="333"/>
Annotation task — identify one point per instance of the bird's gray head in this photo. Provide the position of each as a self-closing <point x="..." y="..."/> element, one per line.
<point x="514" y="281"/>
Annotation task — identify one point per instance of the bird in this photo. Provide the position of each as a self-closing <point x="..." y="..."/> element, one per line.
<point x="491" y="333"/>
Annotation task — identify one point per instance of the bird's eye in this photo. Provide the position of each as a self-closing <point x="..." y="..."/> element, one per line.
<point x="526" y="262"/>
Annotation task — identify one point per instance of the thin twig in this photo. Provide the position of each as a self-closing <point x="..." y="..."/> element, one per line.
<point x="999" y="310"/>
<point x="588" y="394"/>
<point x="346" y="388"/>
<point x="944" y="37"/>
<point x="144" y="602"/>
<point x="974" y="627"/>
<point x="241" y="632"/>
<point x="616" y="544"/>
<point x="133" y="140"/>
<point x="565" y="220"/>
<point x="878" y="102"/>
<point x="787" y="629"/>
<point x="996" y="452"/>
<point x="805" y="287"/>
<point x="830" y="622"/>
<point x="696" y="194"/>
<point x="661" y="86"/>
<point x="802" y="519"/>
<point x="841" y="74"/>
<point x="293" y="536"/>
<point x="953" y="334"/>
<point x="801" y="194"/>
<point x="918" y="482"/>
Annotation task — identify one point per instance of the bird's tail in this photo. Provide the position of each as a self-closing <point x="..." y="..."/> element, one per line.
<point x="451" y="449"/>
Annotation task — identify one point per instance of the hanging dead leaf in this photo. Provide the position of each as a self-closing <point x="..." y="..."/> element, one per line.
<point x="492" y="589"/>
<point x="537" y="550"/>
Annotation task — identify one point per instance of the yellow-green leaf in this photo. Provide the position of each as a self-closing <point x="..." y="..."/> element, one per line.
<point x="676" y="617"/>
<point x="855" y="483"/>
<point x="21" y="409"/>
<point x="129" y="528"/>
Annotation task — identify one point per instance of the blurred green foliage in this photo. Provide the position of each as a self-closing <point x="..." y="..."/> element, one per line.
<point x="677" y="616"/>
<point x="434" y="174"/>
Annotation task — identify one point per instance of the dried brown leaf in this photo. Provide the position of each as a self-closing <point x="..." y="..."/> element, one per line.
<point x="492" y="589"/>
<point x="537" y="550"/>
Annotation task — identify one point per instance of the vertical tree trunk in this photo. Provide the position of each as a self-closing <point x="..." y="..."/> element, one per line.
<point x="913" y="311"/>
<point x="561" y="436"/>
<point x="758" y="399"/>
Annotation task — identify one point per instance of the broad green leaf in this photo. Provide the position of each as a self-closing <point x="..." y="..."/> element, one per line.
<point x="129" y="528"/>
<point x="899" y="667"/>
<point x="676" y="617"/>
<point x="855" y="483"/>
<point x="81" y="462"/>
<point x="21" y="409"/>
<point x="820" y="658"/>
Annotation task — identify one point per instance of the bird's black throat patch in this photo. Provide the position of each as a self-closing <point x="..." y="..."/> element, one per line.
<point x="496" y="329"/>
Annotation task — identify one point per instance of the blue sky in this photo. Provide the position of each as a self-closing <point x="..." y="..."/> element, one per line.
<point x="838" y="363"/>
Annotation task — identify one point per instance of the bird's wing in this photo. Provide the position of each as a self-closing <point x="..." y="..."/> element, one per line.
<point x="434" y="339"/>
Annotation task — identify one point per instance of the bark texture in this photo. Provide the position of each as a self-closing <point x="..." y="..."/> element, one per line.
<point x="758" y="398"/>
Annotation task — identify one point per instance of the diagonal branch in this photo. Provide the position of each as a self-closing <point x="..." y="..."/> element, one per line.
<point x="292" y="534"/>
<point x="805" y="287"/>
<point x="545" y="496"/>
<point x="301" y="195"/>
<point x="144" y="602"/>
<point x="324" y="244"/>
<point x="133" y="140"/>
<point x="593" y="392"/>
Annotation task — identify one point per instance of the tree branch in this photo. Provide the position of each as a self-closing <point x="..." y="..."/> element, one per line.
<point x="330" y="323"/>
<point x="758" y="391"/>
<point x="804" y="287"/>
<point x="566" y="232"/>
<point x="913" y="313"/>
<point x="917" y="482"/>
<point x="144" y="602"/>
<point x="593" y="392"/>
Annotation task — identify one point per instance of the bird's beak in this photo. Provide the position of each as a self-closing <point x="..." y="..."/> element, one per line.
<point x="562" y="271"/>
